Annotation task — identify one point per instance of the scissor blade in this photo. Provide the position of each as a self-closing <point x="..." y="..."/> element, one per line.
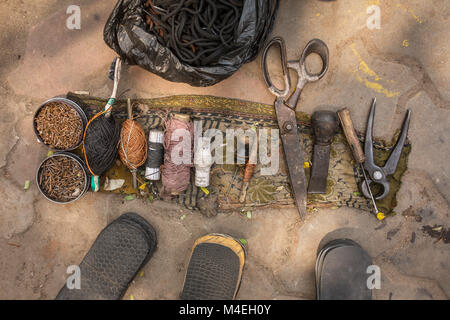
<point x="293" y="155"/>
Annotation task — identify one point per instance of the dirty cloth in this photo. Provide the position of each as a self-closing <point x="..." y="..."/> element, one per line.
<point x="264" y="191"/>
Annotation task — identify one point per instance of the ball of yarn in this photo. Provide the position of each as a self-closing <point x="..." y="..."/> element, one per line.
<point x="100" y="144"/>
<point x="133" y="144"/>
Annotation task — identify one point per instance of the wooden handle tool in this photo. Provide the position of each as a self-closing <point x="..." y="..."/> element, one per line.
<point x="355" y="146"/>
<point x="350" y="134"/>
<point x="248" y="173"/>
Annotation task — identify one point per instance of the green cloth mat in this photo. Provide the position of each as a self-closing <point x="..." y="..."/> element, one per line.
<point x="226" y="180"/>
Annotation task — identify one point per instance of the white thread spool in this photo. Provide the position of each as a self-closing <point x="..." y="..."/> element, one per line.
<point x="203" y="162"/>
<point x="155" y="136"/>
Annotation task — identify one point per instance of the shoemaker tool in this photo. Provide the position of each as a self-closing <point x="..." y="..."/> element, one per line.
<point x="325" y="125"/>
<point x="285" y="110"/>
<point x="248" y="172"/>
<point x="377" y="174"/>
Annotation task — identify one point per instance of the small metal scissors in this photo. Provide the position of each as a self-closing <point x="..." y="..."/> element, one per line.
<point x="285" y="110"/>
<point x="378" y="174"/>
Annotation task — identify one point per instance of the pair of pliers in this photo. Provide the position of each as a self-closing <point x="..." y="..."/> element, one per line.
<point x="378" y="175"/>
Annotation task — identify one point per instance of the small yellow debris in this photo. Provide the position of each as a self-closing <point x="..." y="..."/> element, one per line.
<point x="142" y="187"/>
<point x="131" y="297"/>
<point x="380" y="216"/>
<point x="317" y="14"/>
<point x="50" y="153"/>
<point x="206" y="191"/>
<point x="306" y="164"/>
<point x="405" y="43"/>
<point x="141" y="274"/>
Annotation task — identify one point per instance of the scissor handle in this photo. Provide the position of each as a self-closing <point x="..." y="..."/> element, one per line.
<point x="314" y="46"/>
<point x="319" y="47"/>
<point x="287" y="79"/>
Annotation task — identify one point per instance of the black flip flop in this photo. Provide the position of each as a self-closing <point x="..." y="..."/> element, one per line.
<point x="117" y="255"/>
<point x="341" y="271"/>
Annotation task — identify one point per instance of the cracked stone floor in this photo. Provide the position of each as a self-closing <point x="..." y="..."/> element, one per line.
<point x="405" y="64"/>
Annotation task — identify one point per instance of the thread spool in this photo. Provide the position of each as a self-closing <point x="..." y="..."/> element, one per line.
<point x="101" y="136"/>
<point x="155" y="156"/>
<point x="203" y="162"/>
<point x="175" y="177"/>
<point x="133" y="144"/>
<point x="100" y="142"/>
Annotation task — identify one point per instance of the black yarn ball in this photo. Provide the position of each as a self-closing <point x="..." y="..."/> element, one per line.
<point x="101" y="144"/>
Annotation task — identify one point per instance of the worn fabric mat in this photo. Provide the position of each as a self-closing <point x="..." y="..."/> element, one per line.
<point x="226" y="180"/>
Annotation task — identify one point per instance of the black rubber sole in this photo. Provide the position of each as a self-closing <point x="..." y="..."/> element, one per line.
<point x="341" y="271"/>
<point x="116" y="256"/>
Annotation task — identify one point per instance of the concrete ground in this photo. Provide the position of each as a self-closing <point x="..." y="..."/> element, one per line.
<point x="405" y="64"/>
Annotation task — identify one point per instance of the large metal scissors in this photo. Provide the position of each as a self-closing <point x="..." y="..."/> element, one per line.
<point x="285" y="105"/>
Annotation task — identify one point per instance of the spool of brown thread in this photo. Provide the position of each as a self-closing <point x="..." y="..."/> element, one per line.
<point x="176" y="177"/>
<point x="133" y="144"/>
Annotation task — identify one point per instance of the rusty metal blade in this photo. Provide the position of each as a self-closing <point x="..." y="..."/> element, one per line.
<point x="319" y="170"/>
<point x="293" y="154"/>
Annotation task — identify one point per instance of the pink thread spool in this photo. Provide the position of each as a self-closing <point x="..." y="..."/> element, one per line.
<point x="178" y="138"/>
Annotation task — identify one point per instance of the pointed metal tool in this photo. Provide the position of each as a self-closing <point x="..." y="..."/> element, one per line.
<point x="355" y="146"/>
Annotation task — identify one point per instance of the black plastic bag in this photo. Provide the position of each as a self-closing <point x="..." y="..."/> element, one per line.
<point x="126" y="33"/>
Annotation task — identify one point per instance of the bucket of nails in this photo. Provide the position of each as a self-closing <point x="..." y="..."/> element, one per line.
<point x="59" y="124"/>
<point x="62" y="177"/>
